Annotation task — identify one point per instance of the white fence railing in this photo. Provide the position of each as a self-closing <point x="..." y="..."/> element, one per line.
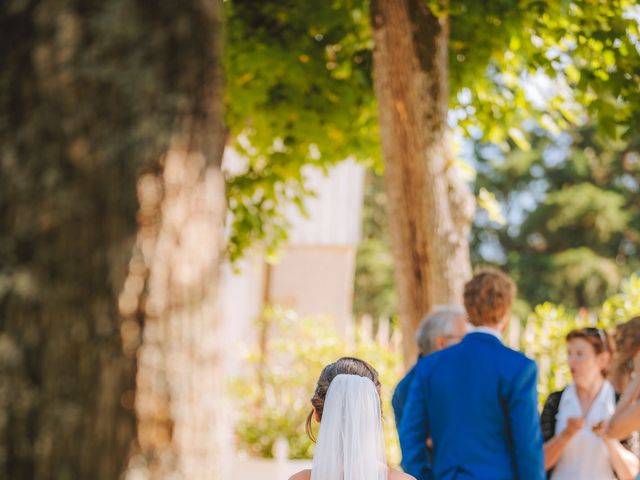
<point x="378" y="330"/>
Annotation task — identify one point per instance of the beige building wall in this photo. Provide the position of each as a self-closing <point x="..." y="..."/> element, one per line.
<point x="315" y="280"/>
<point x="315" y="271"/>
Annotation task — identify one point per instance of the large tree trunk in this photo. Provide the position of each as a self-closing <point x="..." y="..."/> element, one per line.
<point x="429" y="207"/>
<point x="93" y="92"/>
<point x="66" y="387"/>
<point x="180" y="397"/>
<point x="67" y="217"/>
<point x="180" y="401"/>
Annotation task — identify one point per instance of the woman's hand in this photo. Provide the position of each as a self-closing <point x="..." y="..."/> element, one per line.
<point x="574" y="425"/>
<point x="600" y="429"/>
<point x="625" y="464"/>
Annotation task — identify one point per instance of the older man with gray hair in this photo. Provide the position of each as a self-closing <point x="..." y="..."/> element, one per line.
<point x="443" y="327"/>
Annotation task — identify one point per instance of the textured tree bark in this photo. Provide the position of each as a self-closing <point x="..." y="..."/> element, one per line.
<point x="180" y="390"/>
<point x="429" y="207"/>
<point x="92" y="93"/>
<point x="67" y="217"/>
<point x="180" y="402"/>
<point x="180" y="396"/>
<point x="66" y="392"/>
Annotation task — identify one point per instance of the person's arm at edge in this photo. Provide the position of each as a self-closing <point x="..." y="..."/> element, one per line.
<point x="623" y="462"/>
<point x="626" y="418"/>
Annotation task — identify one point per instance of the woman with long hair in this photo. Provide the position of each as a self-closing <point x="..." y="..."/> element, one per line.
<point x="350" y="444"/>
<point x="626" y="418"/>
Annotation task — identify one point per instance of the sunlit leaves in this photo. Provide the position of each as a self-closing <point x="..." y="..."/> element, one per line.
<point x="301" y="71"/>
<point x="574" y="225"/>
<point x="487" y="200"/>
<point x="624" y="305"/>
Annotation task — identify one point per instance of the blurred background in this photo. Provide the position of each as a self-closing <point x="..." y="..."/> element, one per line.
<point x="202" y="203"/>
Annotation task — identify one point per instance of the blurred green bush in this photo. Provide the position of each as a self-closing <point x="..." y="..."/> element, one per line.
<point x="273" y="395"/>
<point x="282" y="367"/>
<point x="543" y="338"/>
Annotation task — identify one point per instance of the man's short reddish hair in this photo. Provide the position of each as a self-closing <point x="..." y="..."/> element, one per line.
<point x="488" y="297"/>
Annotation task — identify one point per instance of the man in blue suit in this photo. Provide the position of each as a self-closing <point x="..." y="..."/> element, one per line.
<point x="446" y="325"/>
<point x="476" y="400"/>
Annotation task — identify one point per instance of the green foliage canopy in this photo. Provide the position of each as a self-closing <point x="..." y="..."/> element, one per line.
<point x="299" y="94"/>
<point x="577" y="198"/>
<point x="300" y="89"/>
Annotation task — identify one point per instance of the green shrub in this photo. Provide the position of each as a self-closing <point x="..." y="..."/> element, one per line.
<point x="543" y="338"/>
<point x="283" y="367"/>
<point x="273" y="397"/>
<point x="623" y="306"/>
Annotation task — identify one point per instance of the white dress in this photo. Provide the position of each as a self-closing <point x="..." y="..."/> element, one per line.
<point x="586" y="456"/>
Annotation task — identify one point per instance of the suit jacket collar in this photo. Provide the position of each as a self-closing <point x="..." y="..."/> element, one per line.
<point x="482" y="336"/>
<point x="489" y="330"/>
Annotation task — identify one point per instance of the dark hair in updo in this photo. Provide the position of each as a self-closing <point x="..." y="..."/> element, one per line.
<point x="346" y="366"/>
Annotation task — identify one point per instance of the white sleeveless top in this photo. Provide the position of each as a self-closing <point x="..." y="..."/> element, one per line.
<point x="586" y="456"/>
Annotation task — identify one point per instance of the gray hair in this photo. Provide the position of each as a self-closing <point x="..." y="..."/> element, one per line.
<point x="438" y="322"/>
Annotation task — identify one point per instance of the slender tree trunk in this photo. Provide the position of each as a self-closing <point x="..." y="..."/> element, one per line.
<point x="429" y="207"/>
<point x="180" y="401"/>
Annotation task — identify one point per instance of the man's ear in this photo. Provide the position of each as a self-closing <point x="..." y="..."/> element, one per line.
<point x="440" y="342"/>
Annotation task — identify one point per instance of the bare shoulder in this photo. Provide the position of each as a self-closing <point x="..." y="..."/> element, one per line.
<point x="397" y="475"/>
<point x="302" y="475"/>
<point x="393" y="475"/>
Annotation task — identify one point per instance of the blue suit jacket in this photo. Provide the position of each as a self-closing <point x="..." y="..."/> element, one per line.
<point x="399" y="401"/>
<point x="477" y="401"/>
<point x="400" y="394"/>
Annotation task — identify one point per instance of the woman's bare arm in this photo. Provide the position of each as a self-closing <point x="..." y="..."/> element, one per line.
<point x="624" y="462"/>
<point x="554" y="447"/>
<point x="626" y="418"/>
<point x="625" y="421"/>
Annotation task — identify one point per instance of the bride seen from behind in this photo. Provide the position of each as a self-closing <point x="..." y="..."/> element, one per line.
<point x="350" y="444"/>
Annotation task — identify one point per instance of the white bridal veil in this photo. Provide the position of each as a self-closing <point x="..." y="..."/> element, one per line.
<point x="350" y="443"/>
